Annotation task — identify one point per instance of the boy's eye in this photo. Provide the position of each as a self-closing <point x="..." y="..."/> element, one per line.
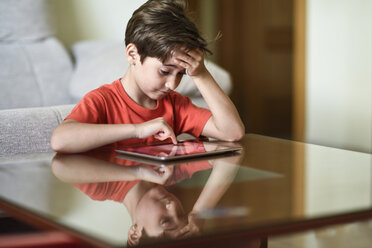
<point x="164" y="72"/>
<point x="182" y="73"/>
<point x="164" y="221"/>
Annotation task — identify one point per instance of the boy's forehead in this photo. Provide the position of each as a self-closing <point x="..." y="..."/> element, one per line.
<point x="171" y="61"/>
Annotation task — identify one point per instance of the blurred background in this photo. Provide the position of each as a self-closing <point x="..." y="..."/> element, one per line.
<point x="301" y="69"/>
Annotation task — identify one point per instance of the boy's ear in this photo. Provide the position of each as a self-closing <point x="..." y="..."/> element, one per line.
<point x="134" y="235"/>
<point x="132" y="54"/>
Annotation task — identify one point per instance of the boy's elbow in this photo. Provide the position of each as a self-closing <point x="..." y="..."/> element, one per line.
<point x="240" y="132"/>
<point x="236" y="135"/>
<point x="241" y="135"/>
<point x="56" y="143"/>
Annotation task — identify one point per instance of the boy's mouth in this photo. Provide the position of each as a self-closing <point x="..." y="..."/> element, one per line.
<point x="164" y="92"/>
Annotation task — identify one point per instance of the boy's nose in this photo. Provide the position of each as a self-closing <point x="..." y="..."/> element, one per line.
<point x="172" y="83"/>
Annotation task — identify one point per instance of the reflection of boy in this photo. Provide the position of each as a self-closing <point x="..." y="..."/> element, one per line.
<point x="162" y="44"/>
<point x="155" y="212"/>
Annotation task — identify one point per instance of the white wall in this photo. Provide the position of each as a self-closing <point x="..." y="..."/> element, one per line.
<point x="78" y="20"/>
<point x="339" y="73"/>
<point x="338" y="104"/>
<point x="336" y="180"/>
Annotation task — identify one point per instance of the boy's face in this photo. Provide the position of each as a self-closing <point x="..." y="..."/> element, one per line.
<point x="156" y="79"/>
<point x="160" y="213"/>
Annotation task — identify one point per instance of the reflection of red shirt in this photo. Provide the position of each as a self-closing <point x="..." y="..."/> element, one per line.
<point x="185" y="171"/>
<point x="110" y="104"/>
<point x="117" y="191"/>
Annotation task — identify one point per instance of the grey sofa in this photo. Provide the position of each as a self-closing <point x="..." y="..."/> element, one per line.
<point x="40" y="81"/>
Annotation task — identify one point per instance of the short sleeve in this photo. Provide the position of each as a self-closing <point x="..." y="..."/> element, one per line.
<point x="115" y="191"/>
<point x="189" y="117"/>
<point x="91" y="109"/>
<point x="187" y="170"/>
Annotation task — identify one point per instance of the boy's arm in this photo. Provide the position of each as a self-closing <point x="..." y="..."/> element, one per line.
<point x="219" y="181"/>
<point x="84" y="169"/>
<point x="73" y="137"/>
<point x="225" y="123"/>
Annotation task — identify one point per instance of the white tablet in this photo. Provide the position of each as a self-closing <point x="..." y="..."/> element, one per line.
<point x="183" y="150"/>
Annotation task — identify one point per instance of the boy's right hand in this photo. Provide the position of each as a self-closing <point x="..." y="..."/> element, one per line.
<point x="158" y="127"/>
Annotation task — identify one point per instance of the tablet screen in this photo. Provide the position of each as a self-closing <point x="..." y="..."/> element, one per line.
<point x="180" y="151"/>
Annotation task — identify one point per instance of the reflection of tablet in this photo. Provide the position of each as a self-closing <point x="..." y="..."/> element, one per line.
<point x="183" y="150"/>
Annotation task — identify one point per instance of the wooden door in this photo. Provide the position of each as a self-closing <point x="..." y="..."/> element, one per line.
<point x="256" y="48"/>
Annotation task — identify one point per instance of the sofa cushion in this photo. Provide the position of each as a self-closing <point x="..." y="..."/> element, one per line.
<point x="25" y="20"/>
<point x="28" y="130"/>
<point x="34" y="74"/>
<point x="96" y="63"/>
<point x="102" y="62"/>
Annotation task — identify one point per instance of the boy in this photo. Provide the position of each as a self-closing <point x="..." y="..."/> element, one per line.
<point x="162" y="44"/>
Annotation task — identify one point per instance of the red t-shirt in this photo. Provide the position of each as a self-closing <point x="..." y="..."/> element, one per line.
<point x="116" y="191"/>
<point x="108" y="190"/>
<point x="110" y="104"/>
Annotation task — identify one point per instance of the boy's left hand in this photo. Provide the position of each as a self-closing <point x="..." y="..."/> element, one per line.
<point x="154" y="174"/>
<point x="192" y="61"/>
<point x="193" y="228"/>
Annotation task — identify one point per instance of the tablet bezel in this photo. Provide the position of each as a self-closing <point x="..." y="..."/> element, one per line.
<point x="221" y="150"/>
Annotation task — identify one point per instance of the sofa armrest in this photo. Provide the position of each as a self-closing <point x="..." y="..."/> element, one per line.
<point x="28" y="130"/>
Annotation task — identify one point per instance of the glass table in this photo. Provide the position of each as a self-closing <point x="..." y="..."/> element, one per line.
<point x="271" y="187"/>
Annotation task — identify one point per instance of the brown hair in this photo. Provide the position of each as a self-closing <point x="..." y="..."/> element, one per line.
<point x="160" y="26"/>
